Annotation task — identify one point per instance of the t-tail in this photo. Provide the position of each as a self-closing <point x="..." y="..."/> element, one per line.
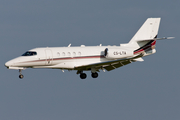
<point x="145" y="39"/>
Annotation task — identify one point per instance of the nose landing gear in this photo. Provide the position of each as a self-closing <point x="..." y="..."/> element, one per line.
<point x="20" y="72"/>
<point x="21" y="76"/>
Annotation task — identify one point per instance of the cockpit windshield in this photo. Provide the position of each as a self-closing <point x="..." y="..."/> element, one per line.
<point x="29" y="53"/>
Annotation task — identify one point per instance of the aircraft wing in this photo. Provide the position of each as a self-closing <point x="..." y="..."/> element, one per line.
<point x="109" y="65"/>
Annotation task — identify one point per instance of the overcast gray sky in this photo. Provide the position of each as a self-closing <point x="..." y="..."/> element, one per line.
<point x="148" y="90"/>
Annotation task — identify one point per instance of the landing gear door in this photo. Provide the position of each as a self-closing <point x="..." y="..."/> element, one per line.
<point x="49" y="57"/>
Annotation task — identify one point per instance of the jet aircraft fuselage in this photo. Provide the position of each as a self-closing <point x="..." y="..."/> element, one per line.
<point x="91" y="58"/>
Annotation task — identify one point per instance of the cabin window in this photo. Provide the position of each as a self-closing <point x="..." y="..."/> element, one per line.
<point x="79" y="53"/>
<point x="69" y="54"/>
<point x="63" y="53"/>
<point x="58" y="54"/>
<point x="29" y="53"/>
<point x="74" y="54"/>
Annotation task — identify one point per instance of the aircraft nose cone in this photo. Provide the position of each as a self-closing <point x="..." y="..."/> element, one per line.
<point x="8" y="64"/>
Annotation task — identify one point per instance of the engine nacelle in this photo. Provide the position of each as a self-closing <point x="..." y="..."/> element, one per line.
<point x="117" y="53"/>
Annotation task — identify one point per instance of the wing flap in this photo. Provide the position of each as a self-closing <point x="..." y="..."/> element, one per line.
<point x="109" y="65"/>
<point x="125" y="62"/>
<point x="117" y="65"/>
<point x="109" y="68"/>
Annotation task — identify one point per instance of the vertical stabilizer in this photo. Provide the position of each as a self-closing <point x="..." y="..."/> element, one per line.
<point x="148" y="30"/>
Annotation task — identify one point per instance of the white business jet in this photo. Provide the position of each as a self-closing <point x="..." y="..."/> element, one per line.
<point x="91" y="58"/>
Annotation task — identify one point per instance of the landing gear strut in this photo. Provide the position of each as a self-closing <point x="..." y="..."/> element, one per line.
<point x="20" y="72"/>
<point x="82" y="75"/>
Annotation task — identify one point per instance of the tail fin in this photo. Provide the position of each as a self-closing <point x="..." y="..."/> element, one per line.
<point x="145" y="38"/>
<point x="148" y="30"/>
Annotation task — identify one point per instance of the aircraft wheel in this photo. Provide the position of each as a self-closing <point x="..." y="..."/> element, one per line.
<point x="94" y="75"/>
<point x="21" y="76"/>
<point x="83" y="76"/>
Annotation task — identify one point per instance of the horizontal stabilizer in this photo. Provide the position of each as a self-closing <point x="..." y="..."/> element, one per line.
<point x="156" y="39"/>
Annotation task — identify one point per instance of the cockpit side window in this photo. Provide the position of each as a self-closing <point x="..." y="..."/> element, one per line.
<point x="29" y="53"/>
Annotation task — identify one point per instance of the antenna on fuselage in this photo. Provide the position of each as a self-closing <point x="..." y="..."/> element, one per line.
<point x="69" y="45"/>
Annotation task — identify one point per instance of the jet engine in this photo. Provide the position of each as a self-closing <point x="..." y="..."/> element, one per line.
<point x="116" y="53"/>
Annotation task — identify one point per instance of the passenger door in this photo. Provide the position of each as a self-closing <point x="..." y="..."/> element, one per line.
<point x="49" y="57"/>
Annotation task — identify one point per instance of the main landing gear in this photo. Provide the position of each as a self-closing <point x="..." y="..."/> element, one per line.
<point x="94" y="75"/>
<point x="21" y="75"/>
<point x="83" y="75"/>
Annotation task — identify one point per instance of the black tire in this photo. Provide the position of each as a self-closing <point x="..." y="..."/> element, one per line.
<point x="83" y="76"/>
<point x="21" y="76"/>
<point x="94" y="75"/>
